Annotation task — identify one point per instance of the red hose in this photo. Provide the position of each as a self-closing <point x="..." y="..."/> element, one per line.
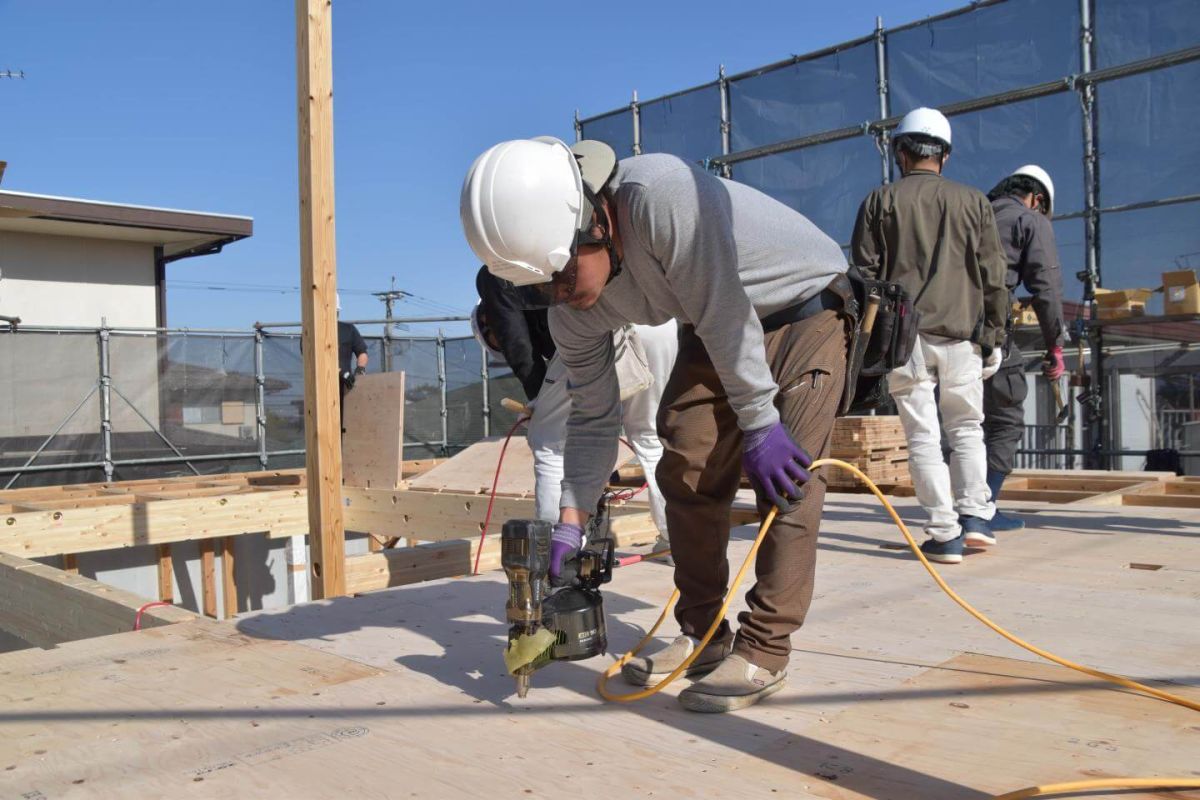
<point x="492" y="500"/>
<point x="137" y="619"/>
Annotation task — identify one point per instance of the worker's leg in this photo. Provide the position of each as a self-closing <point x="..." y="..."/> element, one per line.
<point x="546" y="436"/>
<point x="698" y="476"/>
<point x="640" y="412"/>
<point x="1004" y="417"/>
<point x="960" y="383"/>
<point x="808" y="362"/>
<point x="1003" y="427"/>
<point x="912" y="388"/>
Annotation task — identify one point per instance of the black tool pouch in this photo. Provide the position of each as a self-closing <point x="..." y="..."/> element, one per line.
<point x="885" y="334"/>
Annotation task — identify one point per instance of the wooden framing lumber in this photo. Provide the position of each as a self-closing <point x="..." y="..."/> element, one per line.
<point x="318" y="287"/>
<point x="42" y="533"/>
<point x="208" y="580"/>
<point x="166" y="590"/>
<point x="46" y="606"/>
<point x="228" y="578"/>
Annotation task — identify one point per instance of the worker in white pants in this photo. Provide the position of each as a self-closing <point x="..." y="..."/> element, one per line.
<point x="547" y="434"/>
<point x="947" y="493"/>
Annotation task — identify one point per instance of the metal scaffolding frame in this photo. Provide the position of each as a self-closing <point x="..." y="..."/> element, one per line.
<point x="107" y="390"/>
<point x="1099" y="437"/>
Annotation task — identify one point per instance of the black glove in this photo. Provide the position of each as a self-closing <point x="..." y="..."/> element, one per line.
<point x="348" y="379"/>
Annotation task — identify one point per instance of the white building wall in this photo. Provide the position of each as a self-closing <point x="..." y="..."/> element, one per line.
<point x="73" y="281"/>
<point x="67" y="280"/>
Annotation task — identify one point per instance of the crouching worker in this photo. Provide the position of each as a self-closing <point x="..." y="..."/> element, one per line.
<point x="761" y="371"/>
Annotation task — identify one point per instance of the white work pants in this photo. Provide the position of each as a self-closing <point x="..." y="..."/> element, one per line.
<point x="955" y="369"/>
<point x="547" y="432"/>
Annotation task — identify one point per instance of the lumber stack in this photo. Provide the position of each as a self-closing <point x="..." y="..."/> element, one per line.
<point x="876" y="445"/>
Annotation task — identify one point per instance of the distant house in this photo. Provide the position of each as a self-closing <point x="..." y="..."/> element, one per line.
<point x="71" y="262"/>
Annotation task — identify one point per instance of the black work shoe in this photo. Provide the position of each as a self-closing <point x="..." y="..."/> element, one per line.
<point x="735" y="684"/>
<point x="649" y="670"/>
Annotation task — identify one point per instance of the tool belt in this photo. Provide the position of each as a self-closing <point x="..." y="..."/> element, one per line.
<point x="885" y="333"/>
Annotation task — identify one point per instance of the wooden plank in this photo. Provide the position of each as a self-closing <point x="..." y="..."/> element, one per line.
<point x="1161" y="500"/>
<point x="208" y="582"/>
<point x="199" y="491"/>
<point x="44" y="533"/>
<point x="1044" y="495"/>
<point x="406" y="565"/>
<point x="1116" y="496"/>
<point x="228" y="578"/>
<point x="46" y="607"/>
<point x="318" y="287"/>
<point x="166" y="591"/>
<point x="373" y="444"/>
<point x="75" y="501"/>
<point x="1182" y="487"/>
<point x="1095" y="485"/>
<point x="70" y="563"/>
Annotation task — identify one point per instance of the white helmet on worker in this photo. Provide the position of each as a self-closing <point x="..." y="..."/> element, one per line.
<point x="1041" y="176"/>
<point x="921" y="125"/>
<point x="525" y="202"/>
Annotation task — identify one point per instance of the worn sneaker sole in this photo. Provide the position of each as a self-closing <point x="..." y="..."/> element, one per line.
<point x="947" y="558"/>
<point x="719" y="704"/>
<point x="976" y="539"/>
<point x="640" y="677"/>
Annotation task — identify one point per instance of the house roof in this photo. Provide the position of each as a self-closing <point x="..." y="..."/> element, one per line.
<point x="179" y="233"/>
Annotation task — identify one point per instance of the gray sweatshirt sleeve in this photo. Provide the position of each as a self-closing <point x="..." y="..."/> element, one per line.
<point x="687" y="225"/>
<point x="595" y="419"/>
<point x="1043" y="277"/>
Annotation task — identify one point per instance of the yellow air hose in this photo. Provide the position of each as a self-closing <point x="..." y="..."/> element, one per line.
<point x="1035" y="791"/>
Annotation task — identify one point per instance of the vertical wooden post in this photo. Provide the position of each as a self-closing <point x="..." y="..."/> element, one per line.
<point x="318" y="287"/>
<point x="166" y="591"/>
<point x="228" y="582"/>
<point x="208" y="580"/>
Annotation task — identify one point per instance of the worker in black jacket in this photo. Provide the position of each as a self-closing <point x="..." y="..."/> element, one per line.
<point x="508" y="326"/>
<point x="1023" y="203"/>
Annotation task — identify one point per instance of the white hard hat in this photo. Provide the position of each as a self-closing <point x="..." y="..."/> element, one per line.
<point x="1041" y="176"/>
<point x="477" y="330"/>
<point x="521" y="205"/>
<point x="925" y="122"/>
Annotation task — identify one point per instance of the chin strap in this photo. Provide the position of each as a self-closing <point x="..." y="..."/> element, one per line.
<point x="594" y="201"/>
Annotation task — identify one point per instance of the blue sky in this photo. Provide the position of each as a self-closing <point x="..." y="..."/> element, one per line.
<point x="192" y="105"/>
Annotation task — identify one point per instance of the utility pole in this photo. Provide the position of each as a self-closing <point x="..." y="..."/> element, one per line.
<point x="389" y="299"/>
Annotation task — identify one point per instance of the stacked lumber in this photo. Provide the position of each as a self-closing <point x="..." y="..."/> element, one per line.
<point x="876" y="445"/>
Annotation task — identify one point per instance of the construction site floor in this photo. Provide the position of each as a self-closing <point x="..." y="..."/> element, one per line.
<point x="893" y="691"/>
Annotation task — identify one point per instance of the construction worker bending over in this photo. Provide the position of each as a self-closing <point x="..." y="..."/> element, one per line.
<point x="938" y="240"/>
<point x="1023" y="203"/>
<point x="512" y="330"/>
<point x="759" y="291"/>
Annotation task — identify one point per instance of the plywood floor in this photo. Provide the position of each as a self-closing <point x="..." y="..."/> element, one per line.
<point x="894" y="692"/>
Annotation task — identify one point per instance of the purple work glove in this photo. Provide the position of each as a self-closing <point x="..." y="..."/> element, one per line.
<point x="775" y="464"/>
<point x="564" y="546"/>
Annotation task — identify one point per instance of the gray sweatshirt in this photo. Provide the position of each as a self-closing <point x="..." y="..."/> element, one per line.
<point x="708" y="252"/>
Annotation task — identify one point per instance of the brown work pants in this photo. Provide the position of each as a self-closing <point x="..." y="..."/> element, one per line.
<point x="702" y="467"/>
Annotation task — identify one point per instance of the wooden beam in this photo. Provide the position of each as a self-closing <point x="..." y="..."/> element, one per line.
<point x="166" y="590"/>
<point x="70" y="564"/>
<point x="44" y="533"/>
<point x="228" y="579"/>
<point x="208" y="582"/>
<point x="318" y="287"/>
<point x="45" y="606"/>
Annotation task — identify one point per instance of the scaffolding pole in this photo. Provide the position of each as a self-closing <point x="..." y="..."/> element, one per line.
<point x="882" y="137"/>
<point x="1097" y="438"/>
<point x="260" y="400"/>
<point x="636" y="114"/>
<point x="484" y="378"/>
<point x="441" y="375"/>
<point x="726" y="123"/>
<point x="105" y="405"/>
